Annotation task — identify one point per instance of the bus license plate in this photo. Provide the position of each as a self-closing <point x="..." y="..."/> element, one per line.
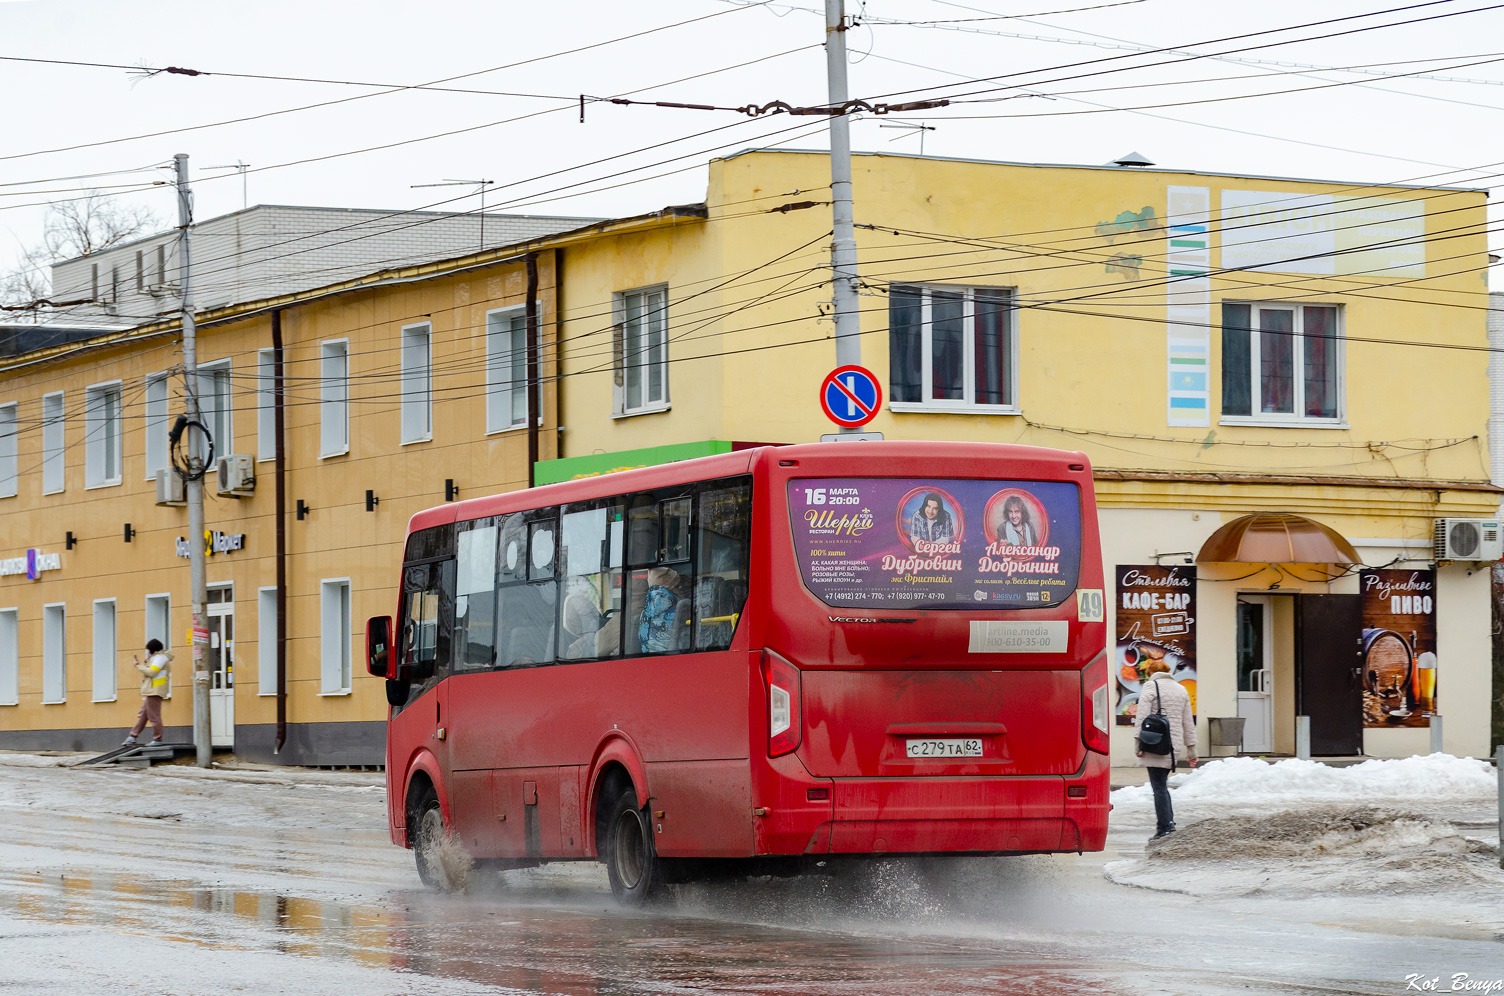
<point x="944" y="748"/>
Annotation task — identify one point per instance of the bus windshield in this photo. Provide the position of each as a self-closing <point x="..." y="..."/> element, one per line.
<point x="904" y="543"/>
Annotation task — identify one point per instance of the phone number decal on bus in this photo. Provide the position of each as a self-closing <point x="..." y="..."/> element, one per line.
<point x="896" y="542"/>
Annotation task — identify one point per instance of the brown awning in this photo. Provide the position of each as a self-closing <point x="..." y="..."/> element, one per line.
<point x="1277" y="538"/>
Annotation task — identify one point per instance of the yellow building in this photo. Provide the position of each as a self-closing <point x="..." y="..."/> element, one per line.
<point x="1218" y="346"/>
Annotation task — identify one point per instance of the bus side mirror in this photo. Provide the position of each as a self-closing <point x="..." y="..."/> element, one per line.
<point x="379" y="646"/>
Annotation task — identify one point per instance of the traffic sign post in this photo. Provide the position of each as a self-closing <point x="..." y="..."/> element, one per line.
<point x="851" y="396"/>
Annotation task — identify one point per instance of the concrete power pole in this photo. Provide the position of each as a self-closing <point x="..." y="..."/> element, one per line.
<point x="194" y="485"/>
<point x="843" y="244"/>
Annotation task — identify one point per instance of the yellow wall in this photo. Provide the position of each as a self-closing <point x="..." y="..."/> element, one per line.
<point x="1085" y="382"/>
<point x="339" y="538"/>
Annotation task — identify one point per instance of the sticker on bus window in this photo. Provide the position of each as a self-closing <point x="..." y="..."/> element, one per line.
<point x="902" y="543"/>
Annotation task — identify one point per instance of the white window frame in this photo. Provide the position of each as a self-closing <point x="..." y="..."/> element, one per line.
<point x="623" y="406"/>
<point x="55" y="651"/>
<point x="266" y="404"/>
<point x="54" y="443"/>
<point x="220" y="420"/>
<point x="967" y="404"/>
<point x="10" y="656"/>
<point x="158" y="424"/>
<point x="416" y="350"/>
<point x="266" y="641"/>
<point x="334" y="398"/>
<point x="502" y="384"/>
<point x="106" y="646"/>
<point x="336" y="637"/>
<point x="1295" y="418"/>
<point x="101" y="433"/>
<point x="10" y="450"/>
<point x="163" y="631"/>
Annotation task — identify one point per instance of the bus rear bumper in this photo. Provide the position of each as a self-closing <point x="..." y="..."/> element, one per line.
<point x="974" y="814"/>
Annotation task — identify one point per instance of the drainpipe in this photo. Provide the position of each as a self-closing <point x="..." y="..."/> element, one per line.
<point x="533" y="406"/>
<point x="279" y="409"/>
<point x="558" y="269"/>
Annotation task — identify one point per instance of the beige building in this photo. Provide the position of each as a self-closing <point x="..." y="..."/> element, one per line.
<point x="1219" y="346"/>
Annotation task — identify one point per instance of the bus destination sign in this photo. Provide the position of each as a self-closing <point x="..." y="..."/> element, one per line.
<point x="899" y="543"/>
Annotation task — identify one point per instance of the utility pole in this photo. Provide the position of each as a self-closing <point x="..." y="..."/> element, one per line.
<point x="843" y="243"/>
<point x="194" y="483"/>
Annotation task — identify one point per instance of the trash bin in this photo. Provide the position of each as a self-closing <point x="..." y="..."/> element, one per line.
<point x="1225" y="731"/>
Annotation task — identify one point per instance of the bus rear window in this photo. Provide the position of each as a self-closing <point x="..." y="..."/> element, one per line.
<point x="901" y="543"/>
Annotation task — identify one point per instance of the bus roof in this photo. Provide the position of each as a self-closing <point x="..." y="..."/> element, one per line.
<point x="911" y="454"/>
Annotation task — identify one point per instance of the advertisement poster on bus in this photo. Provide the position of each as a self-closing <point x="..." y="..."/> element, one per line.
<point x="900" y="543"/>
<point x="1399" y="647"/>
<point x="1156" y="621"/>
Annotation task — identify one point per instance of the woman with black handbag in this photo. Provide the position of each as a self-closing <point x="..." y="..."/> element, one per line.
<point x="1163" y="731"/>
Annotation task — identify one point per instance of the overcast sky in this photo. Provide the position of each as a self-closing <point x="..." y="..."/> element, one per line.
<point x="1419" y="129"/>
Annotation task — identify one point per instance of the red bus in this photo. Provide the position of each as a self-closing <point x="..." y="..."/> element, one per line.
<point x="754" y="663"/>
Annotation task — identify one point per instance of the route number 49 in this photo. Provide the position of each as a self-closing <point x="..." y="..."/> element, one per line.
<point x="1089" y="605"/>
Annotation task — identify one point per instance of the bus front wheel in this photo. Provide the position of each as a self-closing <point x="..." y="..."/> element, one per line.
<point x="426" y="823"/>
<point x="631" y="861"/>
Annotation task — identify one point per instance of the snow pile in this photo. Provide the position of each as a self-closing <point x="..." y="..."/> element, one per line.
<point x="1237" y="782"/>
<point x="19" y="760"/>
<point x="1361" y="850"/>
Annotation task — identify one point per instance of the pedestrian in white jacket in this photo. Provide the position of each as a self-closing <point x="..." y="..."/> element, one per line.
<point x="154" y="685"/>
<point x="1162" y="693"/>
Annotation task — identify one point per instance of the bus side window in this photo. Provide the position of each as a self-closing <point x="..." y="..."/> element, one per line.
<point x="591" y="549"/>
<point x="723" y="550"/>
<point x="659" y="585"/>
<point x="475" y="595"/>
<point x="527" y="593"/>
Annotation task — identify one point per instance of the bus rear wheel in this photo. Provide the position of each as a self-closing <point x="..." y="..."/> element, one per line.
<point x="631" y="862"/>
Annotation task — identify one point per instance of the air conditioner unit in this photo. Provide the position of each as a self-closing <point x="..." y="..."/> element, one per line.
<point x="1469" y="539"/>
<point x="237" y="474"/>
<point x="170" y="488"/>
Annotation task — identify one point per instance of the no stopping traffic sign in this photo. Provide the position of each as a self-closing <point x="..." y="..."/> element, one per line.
<point x="851" y="396"/>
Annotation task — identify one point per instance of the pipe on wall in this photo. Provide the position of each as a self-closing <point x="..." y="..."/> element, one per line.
<point x="279" y="409"/>
<point x="533" y="402"/>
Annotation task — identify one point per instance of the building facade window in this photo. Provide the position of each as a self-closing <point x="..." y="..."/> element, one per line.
<point x="157" y="424"/>
<point x="266" y="404"/>
<point x="334" y="398"/>
<point x="952" y="349"/>
<point x="9" y="451"/>
<point x="1282" y="363"/>
<point x="162" y="265"/>
<point x="103" y="435"/>
<point x="104" y="650"/>
<point x="641" y="350"/>
<point x="506" y="369"/>
<point x="10" y="657"/>
<point x="334" y="636"/>
<point x="140" y="271"/>
<point x="53" y="442"/>
<point x="216" y="405"/>
<point x="266" y="641"/>
<point x="417" y="383"/>
<point x="54" y="653"/>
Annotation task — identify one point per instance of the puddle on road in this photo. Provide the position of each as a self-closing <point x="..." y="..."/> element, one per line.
<point x="587" y="946"/>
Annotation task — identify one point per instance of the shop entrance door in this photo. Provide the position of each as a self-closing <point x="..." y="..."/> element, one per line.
<point x="221" y="657"/>
<point x="1329" y="671"/>
<point x="1255" y="650"/>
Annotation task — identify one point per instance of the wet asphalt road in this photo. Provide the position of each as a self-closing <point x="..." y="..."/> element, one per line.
<point x="134" y="882"/>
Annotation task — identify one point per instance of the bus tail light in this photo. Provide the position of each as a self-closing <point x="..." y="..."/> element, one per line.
<point x="1094" y="712"/>
<point x="785" y="710"/>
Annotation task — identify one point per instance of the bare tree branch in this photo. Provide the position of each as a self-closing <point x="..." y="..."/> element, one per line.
<point x="73" y="228"/>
